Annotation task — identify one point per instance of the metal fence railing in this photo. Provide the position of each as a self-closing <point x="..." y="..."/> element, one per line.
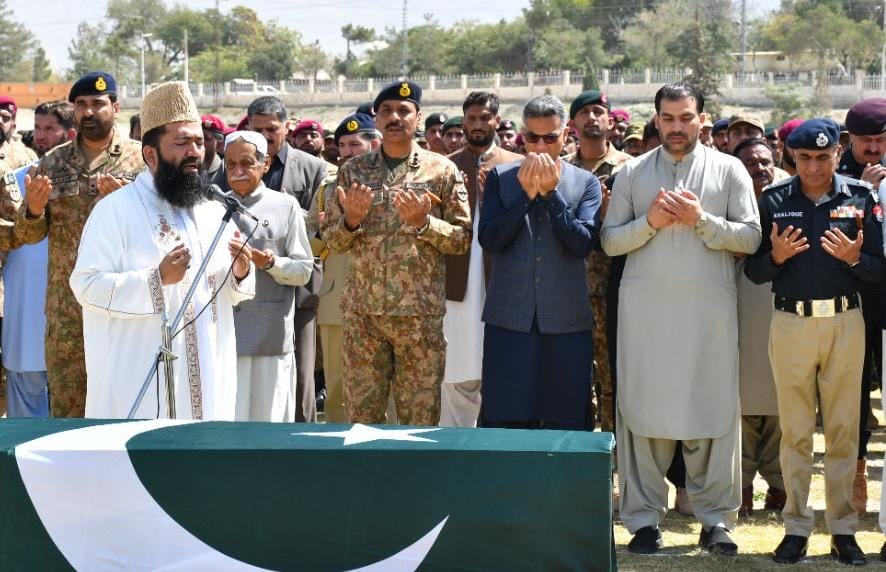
<point x="548" y="78"/>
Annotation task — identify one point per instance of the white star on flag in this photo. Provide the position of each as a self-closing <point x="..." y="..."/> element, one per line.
<point x="359" y="433"/>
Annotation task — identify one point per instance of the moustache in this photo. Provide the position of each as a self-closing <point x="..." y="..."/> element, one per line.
<point x="240" y="178"/>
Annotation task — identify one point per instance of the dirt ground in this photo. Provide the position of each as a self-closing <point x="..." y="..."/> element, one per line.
<point x="758" y="536"/>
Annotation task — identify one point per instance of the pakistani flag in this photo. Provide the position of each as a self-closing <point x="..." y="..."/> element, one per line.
<point x="172" y="495"/>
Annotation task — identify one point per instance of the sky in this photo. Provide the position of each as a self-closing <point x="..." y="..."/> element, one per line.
<point x="55" y="23"/>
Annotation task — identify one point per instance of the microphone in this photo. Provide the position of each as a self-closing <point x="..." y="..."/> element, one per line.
<point x="229" y="200"/>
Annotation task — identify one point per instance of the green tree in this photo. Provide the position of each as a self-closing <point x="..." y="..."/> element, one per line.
<point x="491" y="48"/>
<point x="86" y="50"/>
<point x="274" y="59"/>
<point x="41" y="71"/>
<point x="430" y="51"/>
<point x="356" y="35"/>
<point x="312" y="60"/>
<point x="820" y="35"/>
<point x="16" y="42"/>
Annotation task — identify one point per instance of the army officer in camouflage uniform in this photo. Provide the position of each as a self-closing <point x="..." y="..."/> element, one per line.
<point x="69" y="180"/>
<point x="399" y="209"/>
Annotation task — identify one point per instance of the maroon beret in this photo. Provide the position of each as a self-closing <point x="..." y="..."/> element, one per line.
<point x="8" y="104"/>
<point x="867" y="117"/>
<point x="308" y="125"/>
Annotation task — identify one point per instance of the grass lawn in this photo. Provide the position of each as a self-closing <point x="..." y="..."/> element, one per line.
<point x="758" y="536"/>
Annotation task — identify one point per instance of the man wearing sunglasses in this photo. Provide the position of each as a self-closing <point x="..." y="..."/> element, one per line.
<point x="678" y="213"/>
<point x="538" y="223"/>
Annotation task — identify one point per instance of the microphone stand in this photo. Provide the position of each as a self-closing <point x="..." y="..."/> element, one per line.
<point x="165" y="352"/>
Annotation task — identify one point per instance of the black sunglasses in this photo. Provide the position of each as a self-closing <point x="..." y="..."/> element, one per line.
<point x="550" y="138"/>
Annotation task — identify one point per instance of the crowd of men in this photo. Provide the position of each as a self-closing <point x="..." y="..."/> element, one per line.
<point x="703" y="289"/>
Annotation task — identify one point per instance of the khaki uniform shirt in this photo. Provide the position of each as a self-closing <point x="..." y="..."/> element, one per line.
<point x="599" y="265"/>
<point x="16" y="154"/>
<point x="74" y="193"/>
<point x="397" y="270"/>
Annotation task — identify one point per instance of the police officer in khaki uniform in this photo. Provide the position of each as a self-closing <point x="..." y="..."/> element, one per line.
<point x="397" y="210"/>
<point x="821" y="240"/>
<point x="69" y="180"/>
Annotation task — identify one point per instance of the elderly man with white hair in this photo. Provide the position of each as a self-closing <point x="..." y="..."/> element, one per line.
<point x="282" y="256"/>
<point x="139" y="254"/>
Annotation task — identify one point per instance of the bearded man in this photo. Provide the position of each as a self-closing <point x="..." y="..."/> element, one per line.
<point x="139" y="254"/>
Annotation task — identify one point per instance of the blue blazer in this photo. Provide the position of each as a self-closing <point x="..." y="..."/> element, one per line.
<point x="538" y="251"/>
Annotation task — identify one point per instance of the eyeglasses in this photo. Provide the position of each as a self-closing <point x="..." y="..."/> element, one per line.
<point x="550" y="138"/>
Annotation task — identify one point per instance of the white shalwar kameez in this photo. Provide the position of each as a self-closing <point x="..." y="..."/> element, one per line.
<point x="117" y="281"/>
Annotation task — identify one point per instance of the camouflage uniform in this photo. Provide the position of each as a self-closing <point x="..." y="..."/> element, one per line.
<point x="10" y="200"/>
<point x="599" y="266"/>
<point x="16" y="154"/>
<point x="74" y="193"/>
<point x="394" y="296"/>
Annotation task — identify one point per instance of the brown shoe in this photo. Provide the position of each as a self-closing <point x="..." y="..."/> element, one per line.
<point x="682" y="504"/>
<point x="860" y="488"/>
<point x="747" y="501"/>
<point x="775" y="499"/>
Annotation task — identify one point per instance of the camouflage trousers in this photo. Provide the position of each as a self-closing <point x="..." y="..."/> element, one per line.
<point x="66" y="368"/>
<point x="606" y="401"/>
<point x="405" y="355"/>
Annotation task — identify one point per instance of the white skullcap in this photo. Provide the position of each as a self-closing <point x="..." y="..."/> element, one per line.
<point x="261" y="144"/>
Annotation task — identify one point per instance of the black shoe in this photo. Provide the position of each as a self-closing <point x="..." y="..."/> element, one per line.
<point x="321" y="400"/>
<point x="847" y="551"/>
<point x="647" y="540"/>
<point x="883" y="552"/>
<point x="791" y="550"/>
<point x="716" y="540"/>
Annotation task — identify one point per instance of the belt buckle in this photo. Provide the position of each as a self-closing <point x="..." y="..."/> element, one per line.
<point x="823" y="308"/>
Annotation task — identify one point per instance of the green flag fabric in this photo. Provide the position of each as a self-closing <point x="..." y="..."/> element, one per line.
<point x="89" y="494"/>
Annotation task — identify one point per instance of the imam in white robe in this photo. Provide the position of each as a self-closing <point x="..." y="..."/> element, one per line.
<point x="117" y="281"/>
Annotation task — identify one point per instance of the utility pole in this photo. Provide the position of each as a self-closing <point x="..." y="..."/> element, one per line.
<point x="216" y="64"/>
<point x="883" y="53"/>
<point x="404" y="69"/>
<point x="744" y="35"/>
<point x="187" y="74"/>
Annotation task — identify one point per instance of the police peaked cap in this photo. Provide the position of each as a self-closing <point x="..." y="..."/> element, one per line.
<point x="400" y="91"/>
<point x="357" y="123"/>
<point x="818" y="133"/>
<point x="93" y="83"/>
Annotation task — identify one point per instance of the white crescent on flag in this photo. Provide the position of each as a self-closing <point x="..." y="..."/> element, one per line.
<point x="100" y="516"/>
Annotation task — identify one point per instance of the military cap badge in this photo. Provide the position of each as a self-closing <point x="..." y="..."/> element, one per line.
<point x="821" y="140"/>
<point x="100" y="84"/>
<point x="352" y="125"/>
<point x="404" y="90"/>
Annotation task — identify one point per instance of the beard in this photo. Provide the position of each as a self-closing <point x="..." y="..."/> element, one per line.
<point x="94" y="129"/>
<point x="178" y="188"/>
<point x="478" y="140"/>
<point x="684" y="144"/>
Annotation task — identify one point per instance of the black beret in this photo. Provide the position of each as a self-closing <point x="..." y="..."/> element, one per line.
<point x="818" y="133"/>
<point x="357" y="123"/>
<point x="400" y="91"/>
<point x="590" y="97"/>
<point x="720" y="125"/>
<point x="94" y="83"/>
<point x="507" y="125"/>
<point x="455" y="121"/>
<point x="435" y="119"/>
<point x="366" y="109"/>
<point x="867" y="117"/>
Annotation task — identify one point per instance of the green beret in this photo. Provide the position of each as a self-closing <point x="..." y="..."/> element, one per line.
<point x="400" y="91"/>
<point x="455" y="121"/>
<point x="589" y="97"/>
<point x="435" y="119"/>
<point x="94" y="83"/>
